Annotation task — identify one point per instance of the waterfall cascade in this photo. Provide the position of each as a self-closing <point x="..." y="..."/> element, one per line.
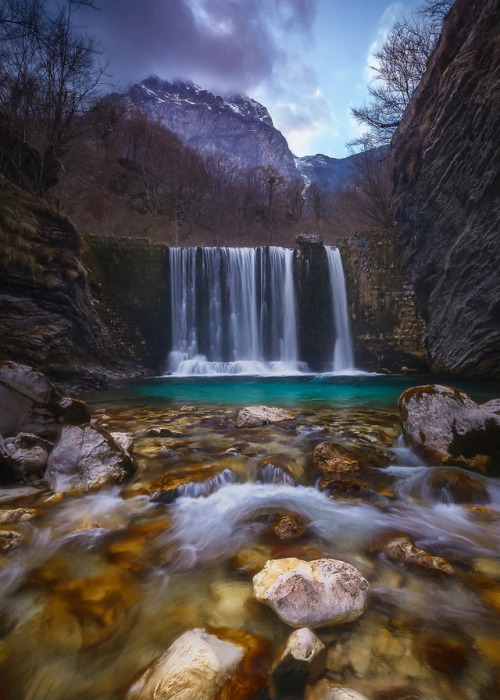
<point x="343" y="356"/>
<point x="234" y="311"/>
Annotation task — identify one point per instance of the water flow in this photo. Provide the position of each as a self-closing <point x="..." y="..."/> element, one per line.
<point x="233" y="311"/>
<point x="343" y="356"/>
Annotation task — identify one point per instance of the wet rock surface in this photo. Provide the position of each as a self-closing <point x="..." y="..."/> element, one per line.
<point x="313" y="594"/>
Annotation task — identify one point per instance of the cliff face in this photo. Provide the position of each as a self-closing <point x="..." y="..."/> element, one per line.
<point x="447" y="192"/>
<point x="237" y="126"/>
<point x="386" y="326"/>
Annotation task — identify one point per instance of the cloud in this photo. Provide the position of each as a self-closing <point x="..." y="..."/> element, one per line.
<point x="386" y="22"/>
<point x="222" y="44"/>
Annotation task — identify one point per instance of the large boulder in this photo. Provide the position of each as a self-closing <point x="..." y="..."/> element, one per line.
<point x="198" y="666"/>
<point x="441" y="423"/>
<point x="30" y="403"/>
<point x="253" y="416"/>
<point x="312" y="594"/>
<point x="86" y="458"/>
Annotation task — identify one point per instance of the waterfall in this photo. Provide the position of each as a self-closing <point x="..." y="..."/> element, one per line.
<point x="233" y="311"/>
<point x="343" y="356"/>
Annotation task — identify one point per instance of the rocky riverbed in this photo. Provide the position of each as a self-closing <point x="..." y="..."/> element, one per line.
<point x="168" y="549"/>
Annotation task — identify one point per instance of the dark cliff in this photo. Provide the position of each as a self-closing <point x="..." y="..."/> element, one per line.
<point x="47" y="315"/>
<point x="447" y="192"/>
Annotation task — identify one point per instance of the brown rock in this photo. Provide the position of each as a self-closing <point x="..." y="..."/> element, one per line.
<point x="404" y="552"/>
<point x="331" y="458"/>
<point x="288" y="526"/>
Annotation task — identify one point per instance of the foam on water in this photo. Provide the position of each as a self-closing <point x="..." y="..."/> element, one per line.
<point x="209" y="528"/>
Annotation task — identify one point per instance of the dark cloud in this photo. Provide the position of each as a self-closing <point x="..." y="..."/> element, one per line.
<point x="228" y="44"/>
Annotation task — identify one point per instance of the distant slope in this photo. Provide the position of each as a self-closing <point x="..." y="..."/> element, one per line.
<point x="237" y="126"/>
<point x="330" y="173"/>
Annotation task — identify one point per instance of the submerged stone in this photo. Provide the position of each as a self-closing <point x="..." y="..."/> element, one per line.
<point x="403" y="551"/>
<point x="253" y="416"/>
<point x="331" y="458"/>
<point x="312" y="594"/>
<point x="10" y="539"/>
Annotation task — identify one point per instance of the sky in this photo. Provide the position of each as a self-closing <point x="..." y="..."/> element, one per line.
<point x="307" y="61"/>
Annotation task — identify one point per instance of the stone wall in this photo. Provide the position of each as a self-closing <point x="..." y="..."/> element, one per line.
<point x="314" y="301"/>
<point x="386" y="326"/>
<point x="130" y="280"/>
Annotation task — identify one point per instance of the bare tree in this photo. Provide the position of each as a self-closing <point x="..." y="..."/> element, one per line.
<point x="49" y="77"/>
<point x="399" y="66"/>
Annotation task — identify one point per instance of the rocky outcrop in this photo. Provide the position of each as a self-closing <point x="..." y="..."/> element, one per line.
<point x="387" y="327"/>
<point x="447" y="192"/>
<point x="237" y="126"/>
<point x="86" y="458"/>
<point x="47" y="315"/>
<point x="253" y="416"/>
<point x="313" y="594"/>
<point x="441" y="423"/>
